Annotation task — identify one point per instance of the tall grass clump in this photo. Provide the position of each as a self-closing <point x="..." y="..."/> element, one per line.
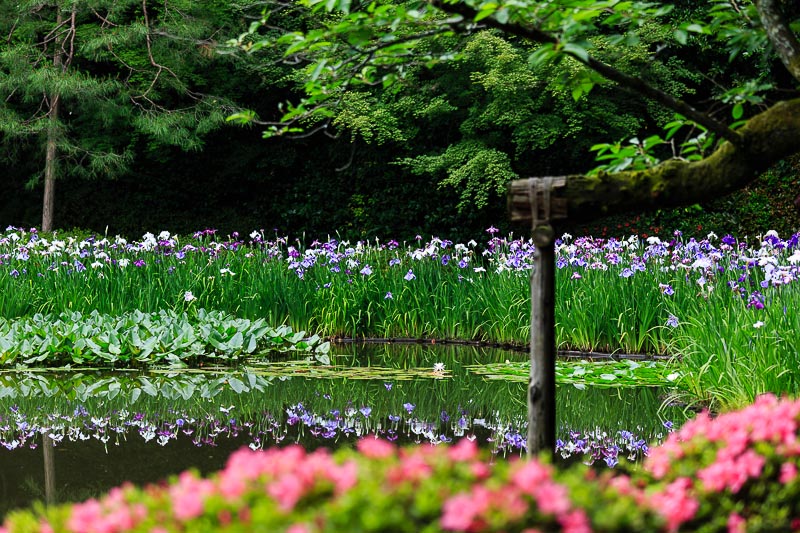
<point x="725" y="308"/>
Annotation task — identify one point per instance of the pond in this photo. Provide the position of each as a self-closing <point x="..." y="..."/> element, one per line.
<point x="70" y="434"/>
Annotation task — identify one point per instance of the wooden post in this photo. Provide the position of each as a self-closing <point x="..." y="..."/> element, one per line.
<point x="531" y="200"/>
<point x="542" y="380"/>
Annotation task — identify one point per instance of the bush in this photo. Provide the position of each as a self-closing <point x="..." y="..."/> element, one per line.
<point x="737" y="472"/>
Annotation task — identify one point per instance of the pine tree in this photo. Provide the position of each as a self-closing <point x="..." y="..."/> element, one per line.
<point x="85" y="81"/>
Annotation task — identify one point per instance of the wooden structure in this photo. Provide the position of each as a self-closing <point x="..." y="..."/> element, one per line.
<point x="536" y="199"/>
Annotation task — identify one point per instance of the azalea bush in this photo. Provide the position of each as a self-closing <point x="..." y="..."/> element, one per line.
<point x="735" y="473"/>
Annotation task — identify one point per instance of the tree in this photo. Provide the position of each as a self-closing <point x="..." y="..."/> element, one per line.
<point x="88" y="81"/>
<point x="358" y="45"/>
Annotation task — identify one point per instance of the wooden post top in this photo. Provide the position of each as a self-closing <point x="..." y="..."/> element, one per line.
<point x="537" y="200"/>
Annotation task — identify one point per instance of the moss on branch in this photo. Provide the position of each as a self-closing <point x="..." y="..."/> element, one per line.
<point x="769" y="137"/>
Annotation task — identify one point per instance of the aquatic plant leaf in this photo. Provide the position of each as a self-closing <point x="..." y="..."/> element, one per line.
<point x="236" y="384"/>
<point x="113" y="390"/>
<point x="148" y="387"/>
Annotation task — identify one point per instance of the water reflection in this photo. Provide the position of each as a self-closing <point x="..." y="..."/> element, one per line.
<point x="109" y="428"/>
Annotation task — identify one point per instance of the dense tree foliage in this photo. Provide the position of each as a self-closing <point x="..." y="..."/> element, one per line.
<point x="359" y="46"/>
<point x="429" y="151"/>
<point x="91" y="83"/>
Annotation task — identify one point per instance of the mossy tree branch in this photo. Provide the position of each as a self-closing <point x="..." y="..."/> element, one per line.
<point x="769" y="137"/>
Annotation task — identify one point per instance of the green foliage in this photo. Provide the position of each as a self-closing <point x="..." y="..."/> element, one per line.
<point x="480" y="172"/>
<point x="580" y="374"/>
<point x="137" y="339"/>
<point x="122" y="72"/>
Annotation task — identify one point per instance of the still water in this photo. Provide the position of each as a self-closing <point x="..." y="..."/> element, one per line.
<point x="90" y="431"/>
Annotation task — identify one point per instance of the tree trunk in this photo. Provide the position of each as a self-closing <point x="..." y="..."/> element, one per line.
<point x="50" y="162"/>
<point x="51" y="154"/>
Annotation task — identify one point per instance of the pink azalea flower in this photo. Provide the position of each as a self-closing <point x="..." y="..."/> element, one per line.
<point x="287" y="491"/>
<point x="788" y="473"/>
<point x="464" y="450"/>
<point x="231" y="484"/>
<point x="344" y="477"/>
<point x="188" y="496"/>
<point x="458" y="513"/>
<point x="375" y="448"/>
<point x="463" y="511"/>
<point x="530" y="476"/>
<point x="84" y="516"/>
<point x="480" y="470"/>
<point x="575" y="522"/>
<point x="552" y="498"/>
<point x="736" y="524"/>
<point x="675" y="503"/>
<point x="730" y="471"/>
<point x="412" y="467"/>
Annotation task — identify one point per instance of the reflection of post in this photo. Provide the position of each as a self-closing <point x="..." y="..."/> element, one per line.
<point x="532" y="200"/>
<point x="542" y="381"/>
<point x="49" y="470"/>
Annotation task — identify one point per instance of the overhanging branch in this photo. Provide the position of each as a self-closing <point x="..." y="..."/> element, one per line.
<point x="770" y="137"/>
<point x="533" y="34"/>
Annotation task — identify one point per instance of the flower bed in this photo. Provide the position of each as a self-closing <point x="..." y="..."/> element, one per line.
<point x="737" y="472"/>
<point x="722" y="305"/>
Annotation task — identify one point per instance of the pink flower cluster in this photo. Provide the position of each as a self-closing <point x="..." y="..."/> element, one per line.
<point x="291" y="473"/>
<point x="474" y="511"/>
<point x="112" y="514"/>
<point x="286" y="475"/>
<point x="768" y="420"/>
<point x="675" y="503"/>
<point x="733" y="436"/>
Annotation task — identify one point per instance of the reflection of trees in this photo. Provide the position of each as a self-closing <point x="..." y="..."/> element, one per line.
<point x="49" y="470"/>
